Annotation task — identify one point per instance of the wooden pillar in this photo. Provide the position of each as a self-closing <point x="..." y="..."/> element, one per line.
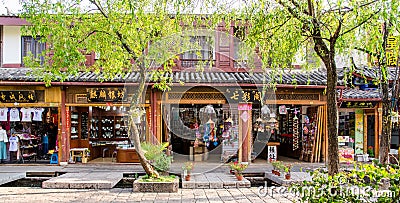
<point x="245" y="137"/>
<point x="365" y="147"/>
<point x="158" y="116"/>
<point x="378" y="128"/>
<point x="152" y="126"/>
<point x="64" y="143"/>
<point x="325" y="130"/>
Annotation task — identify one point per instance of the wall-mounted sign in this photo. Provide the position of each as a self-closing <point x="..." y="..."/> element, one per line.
<point x="106" y="94"/>
<point x="357" y="104"/>
<point x="391" y="51"/>
<point x="20" y="96"/>
<point x="243" y="95"/>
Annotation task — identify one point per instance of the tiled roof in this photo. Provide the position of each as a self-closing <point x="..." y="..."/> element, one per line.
<point x="298" y="76"/>
<point x="359" y="94"/>
<point x="369" y="72"/>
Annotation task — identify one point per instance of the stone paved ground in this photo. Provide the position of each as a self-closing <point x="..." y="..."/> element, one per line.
<point x="116" y="195"/>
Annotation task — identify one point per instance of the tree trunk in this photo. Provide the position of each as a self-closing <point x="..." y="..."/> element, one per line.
<point x="148" y="168"/>
<point x="384" y="144"/>
<point x="328" y="58"/>
<point x="133" y="129"/>
<point x="333" y="151"/>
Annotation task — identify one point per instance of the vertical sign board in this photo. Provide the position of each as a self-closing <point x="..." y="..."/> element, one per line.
<point x="359" y="132"/>
<point x="272" y="153"/>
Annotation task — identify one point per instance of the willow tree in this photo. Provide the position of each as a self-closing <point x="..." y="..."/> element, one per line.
<point x="283" y="28"/>
<point x="119" y="32"/>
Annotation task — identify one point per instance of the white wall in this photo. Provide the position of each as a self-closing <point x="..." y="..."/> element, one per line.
<point x="12" y="45"/>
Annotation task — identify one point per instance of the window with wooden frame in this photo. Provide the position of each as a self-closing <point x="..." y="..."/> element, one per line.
<point x="34" y="46"/>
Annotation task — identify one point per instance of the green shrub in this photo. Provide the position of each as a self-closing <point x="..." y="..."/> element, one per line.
<point x="358" y="185"/>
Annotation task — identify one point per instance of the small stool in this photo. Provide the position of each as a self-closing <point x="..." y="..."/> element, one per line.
<point x="104" y="151"/>
<point x="54" y="158"/>
<point x="114" y="155"/>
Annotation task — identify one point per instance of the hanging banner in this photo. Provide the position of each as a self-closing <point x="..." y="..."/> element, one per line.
<point x="359" y="132"/>
<point x="20" y="96"/>
<point x="106" y="94"/>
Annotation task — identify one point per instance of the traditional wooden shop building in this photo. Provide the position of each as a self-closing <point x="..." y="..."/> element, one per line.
<point x="214" y="114"/>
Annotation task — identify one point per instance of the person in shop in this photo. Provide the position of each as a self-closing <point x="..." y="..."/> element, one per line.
<point x="45" y="142"/>
<point x="13" y="148"/>
<point x="26" y="128"/>
<point x="3" y="146"/>
<point x="52" y="134"/>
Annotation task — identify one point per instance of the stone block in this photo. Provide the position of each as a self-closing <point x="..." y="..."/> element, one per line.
<point x="55" y="185"/>
<point x="243" y="183"/>
<point x="202" y="185"/>
<point x="140" y="186"/>
<point x="216" y="185"/>
<point x="230" y="184"/>
<point x="188" y="185"/>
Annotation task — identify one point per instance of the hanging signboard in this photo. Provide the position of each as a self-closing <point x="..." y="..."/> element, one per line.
<point x="20" y="96"/>
<point x="242" y="95"/>
<point x="106" y="94"/>
<point x="358" y="104"/>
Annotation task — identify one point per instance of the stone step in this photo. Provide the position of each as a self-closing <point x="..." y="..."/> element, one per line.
<point x="93" y="180"/>
<point x="214" y="181"/>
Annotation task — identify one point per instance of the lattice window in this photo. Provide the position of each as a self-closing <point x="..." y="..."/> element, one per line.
<point x="196" y="96"/>
<point x="297" y="97"/>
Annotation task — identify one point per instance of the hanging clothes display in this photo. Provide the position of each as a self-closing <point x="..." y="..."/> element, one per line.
<point x="26" y="114"/>
<point x="37" y="114"/>
<point x="3" y="114"/>
<point x="14" y="115"/>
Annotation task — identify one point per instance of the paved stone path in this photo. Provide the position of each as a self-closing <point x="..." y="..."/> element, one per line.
<point x="116" y="195"/>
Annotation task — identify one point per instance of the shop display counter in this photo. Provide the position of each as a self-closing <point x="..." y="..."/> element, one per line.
<point x="127" y="155"/>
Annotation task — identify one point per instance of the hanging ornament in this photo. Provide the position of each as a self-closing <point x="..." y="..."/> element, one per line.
<point x="295" y="133"/>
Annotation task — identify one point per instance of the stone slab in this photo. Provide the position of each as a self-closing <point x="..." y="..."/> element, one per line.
<point x="10" y="177"/>
<point x="84" y="180"/>
<point x="296" y="177"/>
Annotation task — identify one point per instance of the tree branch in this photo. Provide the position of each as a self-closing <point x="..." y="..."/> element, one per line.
<point x="119" y="35"/>
<point x="345" y="10"/>
<point x="366" y="51"/>
<point x="361" y="23"/>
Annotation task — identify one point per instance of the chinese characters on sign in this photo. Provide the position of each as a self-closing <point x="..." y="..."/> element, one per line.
<point x="354" y="104"/>
<point x="106" y="94"/>
<point x="23" y="96"/>
<point x="391" y="50"/>
<point x="241" y="95"/>
<point x="272" y="153"/>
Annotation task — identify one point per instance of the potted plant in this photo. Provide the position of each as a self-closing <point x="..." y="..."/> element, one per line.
<point x="187" y="169"/>
<point x="239" y="168"/>
<point x="275" y="165"/>
<point x="288" y="168"/>
<point x="278" y="166"/>
<point x="370" y="152"/>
